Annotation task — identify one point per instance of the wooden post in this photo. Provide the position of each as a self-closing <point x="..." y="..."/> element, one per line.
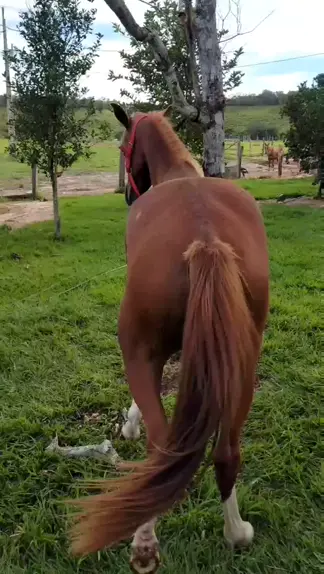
<point x="121" y="176"/>
<point x="7" y="76"/>
<point x="280" y="158"/>
<point x="250" y="147"/>
<point x="34" y="181"/>
<point x="239" y="158"/>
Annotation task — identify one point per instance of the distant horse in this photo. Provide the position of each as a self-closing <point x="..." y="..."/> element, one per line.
<point x="197" y="282"/>
<point x="273" y="154"/>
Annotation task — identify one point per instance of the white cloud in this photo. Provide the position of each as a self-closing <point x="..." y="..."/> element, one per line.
<point x="288" y="30"/>
<point x="281" y="82"/>
<point x="291" y="29"/>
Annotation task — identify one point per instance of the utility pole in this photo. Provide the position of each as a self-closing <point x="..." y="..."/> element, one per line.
<point x="7" y="76"/>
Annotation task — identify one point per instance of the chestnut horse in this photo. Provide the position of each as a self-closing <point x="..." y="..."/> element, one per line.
<point x="197" y="282"/>
<point x="273" y="154"/>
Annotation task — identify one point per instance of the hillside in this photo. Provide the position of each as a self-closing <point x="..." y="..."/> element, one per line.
<point x="239" y="120"/>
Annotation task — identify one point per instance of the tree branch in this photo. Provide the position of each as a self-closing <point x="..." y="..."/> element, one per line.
<point x="186" y="19"/>
<point x="150" y="5"/>
<point x="239" y="33"/>
<point x="161" y="55"/>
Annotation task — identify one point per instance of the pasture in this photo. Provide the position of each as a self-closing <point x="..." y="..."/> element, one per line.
<point x="61" y="373"/>
<point x="105" y="158"/>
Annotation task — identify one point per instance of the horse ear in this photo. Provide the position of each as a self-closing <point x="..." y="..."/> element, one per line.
<point x="121" y="115"/>
<point x="168" y="111"/>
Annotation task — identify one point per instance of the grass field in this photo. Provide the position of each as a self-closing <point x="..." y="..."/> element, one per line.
<point x="273" y="188"/>
<point x="238" y="119"/>
<point x="105" y="157"/>
<point x="13" y="173"/>
<point x="59" y="361"/>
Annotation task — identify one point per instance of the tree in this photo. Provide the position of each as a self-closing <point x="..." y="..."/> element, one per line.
<point x="204" y="69"/>
<point x="148" y="81"/>
<point x="305" y="112"/>
<point x="47" y="74"/>
<point x="207" y="78"/>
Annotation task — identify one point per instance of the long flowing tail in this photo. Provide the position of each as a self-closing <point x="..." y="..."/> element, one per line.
<point x="218" y="358"/>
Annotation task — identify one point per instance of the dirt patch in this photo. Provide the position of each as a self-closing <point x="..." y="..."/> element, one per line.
<point x="21" y="214"/>
<point x="84" y="184"/>
<point x="297" y="202"/>
<point x="170" y="377"/>
<point x="77" y="184"/>
<point x="3" y="209"/>
<point x="307" y="201"/>
<point x="261" y="171"/>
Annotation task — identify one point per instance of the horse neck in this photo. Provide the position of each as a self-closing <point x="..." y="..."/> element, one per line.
<point x="163" y="161"/>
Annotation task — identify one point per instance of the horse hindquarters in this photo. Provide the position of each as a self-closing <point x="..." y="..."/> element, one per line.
<point x="219" y="355"/>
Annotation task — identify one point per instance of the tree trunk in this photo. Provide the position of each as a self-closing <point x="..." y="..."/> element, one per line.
<point x="213" y="101"/>
<point x="57" y="220"/>
<point x="34" y="182"/>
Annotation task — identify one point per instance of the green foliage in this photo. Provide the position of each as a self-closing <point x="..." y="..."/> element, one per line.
<point x="60" y="363"/>
<point x="262" y="131"/>
<point x="305" y="111"/>
<point x="148" y="81"/>
<point x="265" y="98"/>
<point x="46" y="83"/>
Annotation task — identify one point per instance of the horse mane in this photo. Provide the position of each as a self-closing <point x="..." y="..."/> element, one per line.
<point x="176" y="146"/>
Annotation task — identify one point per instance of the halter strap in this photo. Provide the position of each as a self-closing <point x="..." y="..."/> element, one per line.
<point x="128" y="152"/>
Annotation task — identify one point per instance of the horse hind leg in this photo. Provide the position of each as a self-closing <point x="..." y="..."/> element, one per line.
<point x="131" y="429"/>
<point x="237" y="532"/>
<point x="145" y="556"/>
<point x="144" y="379"/>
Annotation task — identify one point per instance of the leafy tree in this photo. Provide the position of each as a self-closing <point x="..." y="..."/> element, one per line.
<point x="148" y="81"/>
<point x="47" y="74"/>
<point x="305" y="112"/>
<point x="261" y="130"/>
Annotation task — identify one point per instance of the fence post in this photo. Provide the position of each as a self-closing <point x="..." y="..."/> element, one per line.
<point x="34" y="181"/>
<point x="239" y="153"/>
<point x="280" y="158"/>
<point x="121" y="176"/>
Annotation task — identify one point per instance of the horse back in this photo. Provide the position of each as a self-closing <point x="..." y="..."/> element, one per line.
<point x="165" y="221"/>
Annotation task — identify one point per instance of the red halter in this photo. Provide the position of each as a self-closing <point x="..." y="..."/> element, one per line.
<point x="128" y="152"/>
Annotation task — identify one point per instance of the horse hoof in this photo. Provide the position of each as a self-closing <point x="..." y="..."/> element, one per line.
<point x="131" y="432"/>
<point x="241" y="536"/>
<point x="145" y="560"/>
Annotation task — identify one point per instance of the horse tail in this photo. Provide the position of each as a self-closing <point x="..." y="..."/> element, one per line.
<point x="218" y="357"/>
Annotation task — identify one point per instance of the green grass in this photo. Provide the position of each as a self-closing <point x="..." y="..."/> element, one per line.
<point x="59" y="360"/>
<point x="273" y="188"/>
<point x="13" y="174"/>
<point x="239" y="119"/>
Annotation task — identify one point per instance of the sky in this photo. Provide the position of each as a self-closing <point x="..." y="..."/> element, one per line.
<point x="276" y="30"/>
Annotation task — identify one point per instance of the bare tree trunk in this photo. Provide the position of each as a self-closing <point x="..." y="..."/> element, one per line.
<point x="57" y="220"/>
<point x="213" y="101"/>
<point x="34" y="181"/>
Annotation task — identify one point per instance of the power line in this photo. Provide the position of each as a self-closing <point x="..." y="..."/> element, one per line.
<point x="252" y="64"/>
<point x="281" y="60"/>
